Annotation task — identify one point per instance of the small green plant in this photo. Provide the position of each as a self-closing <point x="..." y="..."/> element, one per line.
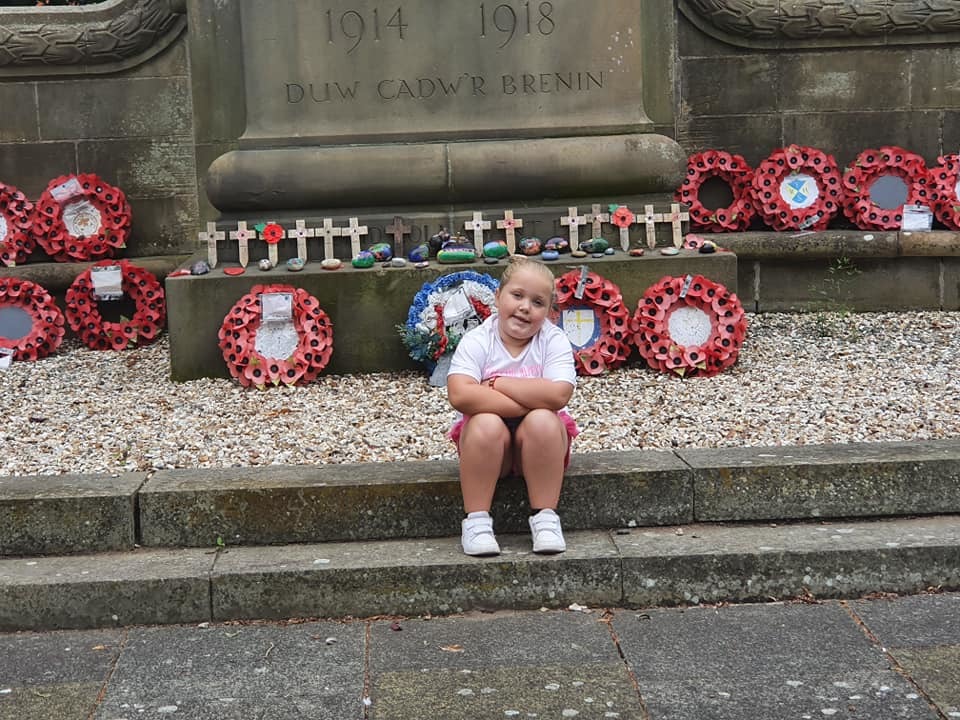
<point x="831" y="298"/>
<point x="221" y="545"/>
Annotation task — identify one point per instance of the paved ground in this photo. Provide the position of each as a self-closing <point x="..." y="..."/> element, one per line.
<point x="875" y="659"/>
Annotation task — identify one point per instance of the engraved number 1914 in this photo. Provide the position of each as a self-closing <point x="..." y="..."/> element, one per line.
<point x="353" y="26"/>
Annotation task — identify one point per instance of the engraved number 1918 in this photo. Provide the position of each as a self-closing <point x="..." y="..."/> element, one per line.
<point x="507" y="21"/>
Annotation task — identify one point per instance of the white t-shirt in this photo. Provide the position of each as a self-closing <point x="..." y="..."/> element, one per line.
<point x="481" y="354"/>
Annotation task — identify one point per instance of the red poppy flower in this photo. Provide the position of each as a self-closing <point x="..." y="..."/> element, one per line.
<point x="622" y="217"/>
<point x="272" y="234"/>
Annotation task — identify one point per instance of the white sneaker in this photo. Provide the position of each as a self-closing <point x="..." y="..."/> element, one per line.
<point x="547" y="534"/>
<point x="477" y="535"/>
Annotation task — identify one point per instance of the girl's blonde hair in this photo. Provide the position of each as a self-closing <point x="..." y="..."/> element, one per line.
<point x="522" y="262"/>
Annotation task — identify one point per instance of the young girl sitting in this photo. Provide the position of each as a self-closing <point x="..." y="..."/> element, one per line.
<point x="511" y="379"/>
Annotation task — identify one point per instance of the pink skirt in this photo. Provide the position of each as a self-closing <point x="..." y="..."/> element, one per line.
<point x="568" y="422"/>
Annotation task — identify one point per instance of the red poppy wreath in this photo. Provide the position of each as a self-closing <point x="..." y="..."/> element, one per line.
<point x="732" y="170"/>
<point x="945" y="180"/>
<point x="596" y="322"/>
<point x="16" y="226"/>
<point x="252" y="360"/>
<point x="83" y="310"/>
<point x="80" y="217"/>
<point x="37" y="321"/>
<point x="798" y="188"/>
<point x="872" y="166"/>
<point x="689" y="326"/>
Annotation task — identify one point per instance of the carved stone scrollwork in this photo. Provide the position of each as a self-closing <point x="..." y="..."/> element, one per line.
<point x="90" y="39"/>
<point x="825" y="23"/>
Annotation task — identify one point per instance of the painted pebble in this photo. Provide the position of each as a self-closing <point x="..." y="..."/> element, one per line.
<point x="596" y="255"/>
<point x="495" y="249"/>
<point x="491" y="260"/>
<point x="530" y="246"/>
<point x="708" y="247"/>
<point x="421" y="265"/>
<point x="295" y="264"/>
<point x="578" y="253"/>
<point x="609" y="251"/>
<point x="234" y="271"/>
<point x="636" y="252"/>
<point x="670" y="250"/>
<point x="200" y="267"/>
<point x="419" y="253"/>
<point x="331" y="264"/>
<point x="595" y="245"/>
<point x="550" y="255"/>
<point x="363" y="260"/>
<point x="398" y="262"/>
<point x="557" y="243"/>
<point x="382" y="252"/>
<point x="265" y="264"/>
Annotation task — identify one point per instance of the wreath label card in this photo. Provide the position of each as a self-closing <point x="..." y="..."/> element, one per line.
<point x="64" y="191"/>
<point x="6" y="357"/>
<point x="458" y="308"/>
<point x="107" y="282"/>
<point x="917" y="217"/>
<point x="581" y="326"/>
<point x="276" y="307"/>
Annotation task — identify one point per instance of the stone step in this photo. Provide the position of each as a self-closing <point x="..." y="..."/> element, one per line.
<point x="380" y="501"/>
<point x="707" y="563"/>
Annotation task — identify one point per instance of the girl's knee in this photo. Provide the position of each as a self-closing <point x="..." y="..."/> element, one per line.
<point x="540" y="423"/>
<point x="485" y="428"/>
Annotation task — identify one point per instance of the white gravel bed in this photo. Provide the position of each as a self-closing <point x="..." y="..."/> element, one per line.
<point x="801" y="379"/>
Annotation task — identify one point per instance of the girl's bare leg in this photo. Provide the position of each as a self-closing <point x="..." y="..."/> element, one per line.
<point x="485" y="457"/>
<point x="542" y="445"/>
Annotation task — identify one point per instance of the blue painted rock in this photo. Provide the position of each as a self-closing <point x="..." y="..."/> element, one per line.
<point x="382" y="252"/>
<point x="609" y="251"/>
<point x="363" y="259"/>
<point x="550" y="255"/>
<point x="530" y="246"/>
<point x="594" y="245"/>
<point x="558" y="243"/>
<point x="295" y="264"/>
<point x="419" y="253"/>
<point x="457" y="253"/>
<point x="200" y="267"/>
<point x="495" y="249"/>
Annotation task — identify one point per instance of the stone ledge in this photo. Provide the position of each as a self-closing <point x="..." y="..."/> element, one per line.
<point x="708" y="563"/>
<point x="57" y="277"/>
<point x="853" y="244"/>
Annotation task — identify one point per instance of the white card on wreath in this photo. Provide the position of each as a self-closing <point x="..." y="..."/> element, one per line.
<point x="6" y="357"/>
<point x="917" y="217"/>
<point x="276" y="307"/>
<point x="107" y="282"/>
<point x="64" y="191"/>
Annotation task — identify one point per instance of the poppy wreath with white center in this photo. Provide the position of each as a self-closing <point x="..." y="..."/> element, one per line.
<point x="56" y="239"/>
<point x="943" y="190"/>
<point x="46" y="331"/>
<point x="238" y="340"/>
<point x="871" y="165"/>
<point x="16" y="226"/>
<point x="612" y="346"/>
<point x="425" y="334"/>
<point x="736" y="173"/>
<point x="771" y="174"/>
<point x="650" y="326"/>
<point x="137" y="283"/>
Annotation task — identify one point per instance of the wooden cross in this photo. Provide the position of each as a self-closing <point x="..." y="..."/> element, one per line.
<point x="301" y="232"/>
<point x="677" y="218"/>
<point x="650" y="219"/>
<point x="210" y="237"/>
<point x="477" y="226"/>
<point x="355" y="231"/>
<point x="328" y="232"/>
<point x="398" y="230"/>
<point x="597" y="217"/>
<point x="272" y="247"/>
<point x="242" y="235"/>
<point x="573" y="221"/>
<point x="509" y="225"/>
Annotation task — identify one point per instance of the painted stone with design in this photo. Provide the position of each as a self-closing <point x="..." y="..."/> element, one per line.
<point x="559" y="244"/>
<point x="530" y="245"/>
<point x="495" y="249"/>
<point x="382" y="252"/>
<point x="419" y="253"/>
<point x="595" y="245"/>
<point x="363" y="260"/>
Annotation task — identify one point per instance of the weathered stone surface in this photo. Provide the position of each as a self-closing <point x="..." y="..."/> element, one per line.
<point x="30" y="166"/>
<point x="826" y="480"/>
<point x="394" y="500"/>
<point x="57" y="277"/>
<point x="912" y="622"/>
<point x="153" y="168"/>
<point x="950" y="298"/>
<point x="68" y="513"/>
<point x="411" y="577"/>
<point x="942" y="243"/>
<point x="937" y="671"/>
<point x="751" y="563"/>
<point x="866" y="80"/>
<point x="725" y="85"/>
<point x="20" y="113"/>
<point x="811" y="245"/>
<point x="753" y="136"/>
<point x="83" y="591"/>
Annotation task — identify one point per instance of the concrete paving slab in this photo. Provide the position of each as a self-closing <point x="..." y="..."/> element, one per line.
<point x="936" y="670"/>
<point x="55" y="675"/>
<point x="68" y="513"/>
<point x="826" y="481"/>
<point x="371" y="501"/>
<point x="762" y="662"/>
<point x="713" y="563"/>
<point x="411" y="577"/>
<point x="915" y="621"/>
<point x="103" y="590"/>
<point x="499" y="665"/>
<point x="237" y="672"/>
